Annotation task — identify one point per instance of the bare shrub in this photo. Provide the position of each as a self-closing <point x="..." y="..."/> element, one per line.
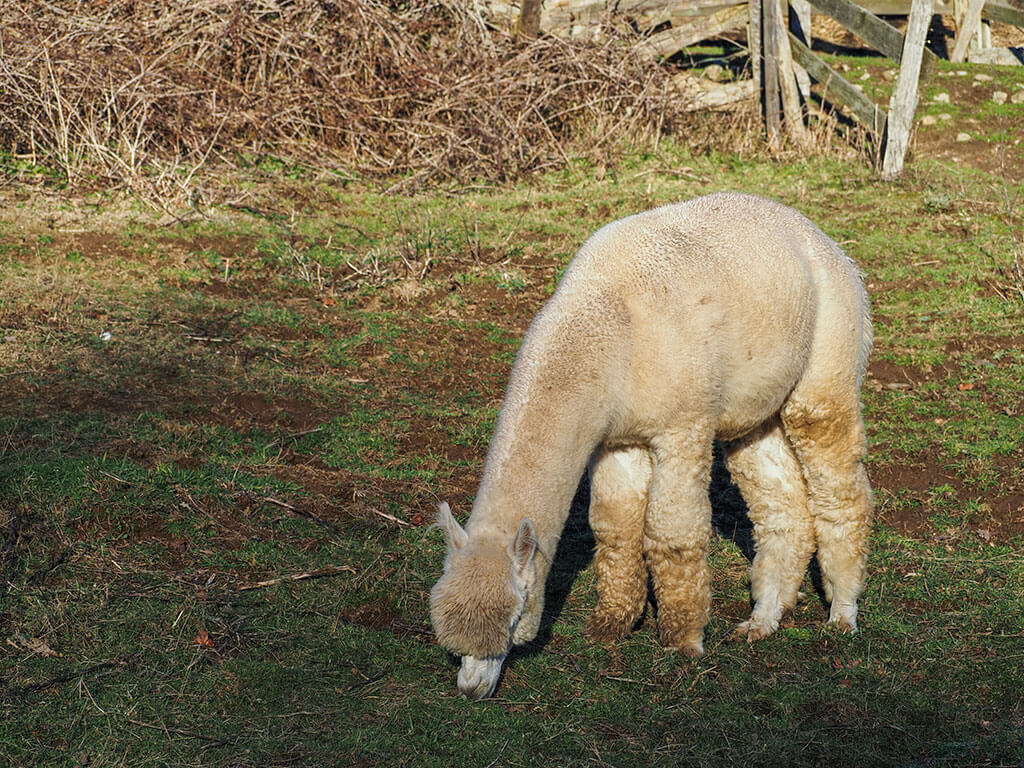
<point x="141" y="90"/>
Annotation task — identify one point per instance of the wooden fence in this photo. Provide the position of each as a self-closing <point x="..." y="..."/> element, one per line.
<point x="783" y="64"/>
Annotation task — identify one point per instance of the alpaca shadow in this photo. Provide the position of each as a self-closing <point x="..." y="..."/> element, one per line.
<point x="575" y="551"/>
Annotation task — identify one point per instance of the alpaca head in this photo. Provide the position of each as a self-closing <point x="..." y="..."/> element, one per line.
<point x="478" y="605"/>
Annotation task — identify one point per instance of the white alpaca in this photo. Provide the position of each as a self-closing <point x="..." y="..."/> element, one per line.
<point x="729" y="317"/>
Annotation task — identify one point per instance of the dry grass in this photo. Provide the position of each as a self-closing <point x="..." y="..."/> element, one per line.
<point x="147" y="93"/>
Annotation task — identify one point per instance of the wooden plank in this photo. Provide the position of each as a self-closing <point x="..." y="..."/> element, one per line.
<point x="528" y="26"/>
<point x="902" y="7"/>
<point x="968" y="28"/>
<point x="904" y="97"/>
<point x="646" y="14"/>
<point x="674" y="39"/>
<point x="754" y="44"/>
<point x="877" y="33"/>
<point x="770" y="47"/>
<point x="800" y="25"/>
<point x="794" y="123"/>
<point x="1003" y="13"/>
<point x="838" y="89"/>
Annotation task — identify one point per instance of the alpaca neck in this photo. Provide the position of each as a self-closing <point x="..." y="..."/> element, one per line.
<point x="557" y="409"/>
<point x="526" y="478"/>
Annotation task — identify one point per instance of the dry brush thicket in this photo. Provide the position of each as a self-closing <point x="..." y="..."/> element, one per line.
<point x="130" y="90"/>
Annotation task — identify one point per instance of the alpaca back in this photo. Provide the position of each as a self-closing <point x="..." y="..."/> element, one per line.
<point x="715" y="305"/>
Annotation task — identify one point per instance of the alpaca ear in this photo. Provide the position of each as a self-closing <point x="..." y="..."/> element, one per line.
<point x="454" y="533"/>
<point x="523" y="546"/>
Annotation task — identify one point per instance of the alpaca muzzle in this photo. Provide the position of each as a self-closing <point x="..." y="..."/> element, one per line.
<point x="479" y="677"/>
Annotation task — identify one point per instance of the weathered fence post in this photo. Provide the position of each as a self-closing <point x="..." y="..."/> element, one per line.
<point x="770" y="52"/>
<point x="754" y="44"/>
<point x="967" y="29"/>
<point x="904" y="97"/>
<point x="529" y="20"/>
<point x="793" y="112"/>
<point x="800" y="27"/>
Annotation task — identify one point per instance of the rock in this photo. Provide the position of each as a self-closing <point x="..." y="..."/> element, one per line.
<point x="1006" y="57"/>
<point x="983" y="78"/>
<point x="962" y="137"/>
<point x="1017" y="98"/>
<point x="999" y="97"/>
<point x="702" y="94"/>
<point x="866" y="76"/>
<point x="715" y="73"/>
<point x="929" y="120"/>
<point x="941" y="98"/>
<point x="945" y="116"/>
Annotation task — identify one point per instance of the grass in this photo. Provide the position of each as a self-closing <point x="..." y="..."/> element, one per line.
<point x="304" y="415"/>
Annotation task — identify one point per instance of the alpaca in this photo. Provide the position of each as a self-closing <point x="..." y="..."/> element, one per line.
<point x="729" y="317"/>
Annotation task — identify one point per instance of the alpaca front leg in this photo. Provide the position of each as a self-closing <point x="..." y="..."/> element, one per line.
<point x="767" y="472"/>
<point x="618" y="504"/>
<point x="676" y="536"/>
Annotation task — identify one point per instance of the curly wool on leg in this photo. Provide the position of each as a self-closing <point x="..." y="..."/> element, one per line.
<point x="677" y="533"/>
<point x="765" y="468"/>
<point x="682" y="585"/>
<point x="830" y="443"/>
<point x="619" y="481"/>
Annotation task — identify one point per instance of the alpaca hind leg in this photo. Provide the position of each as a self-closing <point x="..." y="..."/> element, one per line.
<point x="827" y="434"/>
<point x="618" y="504"/>
<point x="676" y="536"/>
<point x="766" y="470"/>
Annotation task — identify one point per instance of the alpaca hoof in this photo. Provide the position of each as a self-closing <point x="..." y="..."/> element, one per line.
<point x="753" y="630"/>
<point x="843" y="618"/>
<point x="607" y="628"/>
<point x="845" y="625"/>
<point x="687" y="643"/>
<point x="692" y="651"/>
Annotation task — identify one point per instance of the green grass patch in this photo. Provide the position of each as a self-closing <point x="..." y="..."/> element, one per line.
<point x="213" y="520"/>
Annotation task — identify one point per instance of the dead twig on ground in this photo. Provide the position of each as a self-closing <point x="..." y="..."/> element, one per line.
<point x="1017" y="282"/>
<point x="293" y="436"/>
<point x="53" y="681"/>
<point x="392" y="518"/>
<point x="301" y="513"/>
<point x="318" y="574"/>
<point x="181" y="732"/>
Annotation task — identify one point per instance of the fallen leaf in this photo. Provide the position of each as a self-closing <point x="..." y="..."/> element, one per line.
<point x="203" y="640"/>
<point x="39" y="646"/>
<point x="33" y="644"/>
<point x="965" y="386"/>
